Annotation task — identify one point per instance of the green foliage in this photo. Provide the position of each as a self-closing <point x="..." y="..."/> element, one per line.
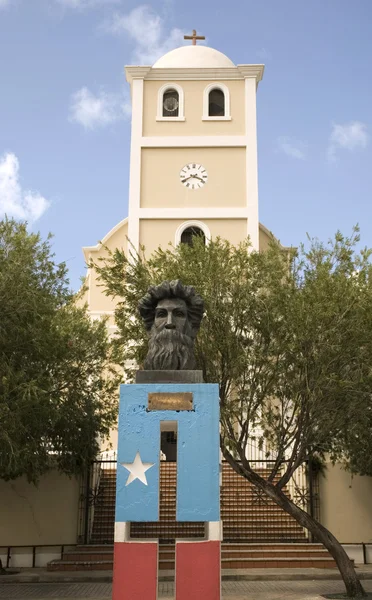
<point x="287" y="334"/>
<point x="57" y="391"/>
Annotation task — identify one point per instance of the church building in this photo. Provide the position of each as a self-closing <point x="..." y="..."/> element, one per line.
<point x="193" y="157"/>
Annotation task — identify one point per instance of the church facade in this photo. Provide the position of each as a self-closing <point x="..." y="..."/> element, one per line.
<point x="193" y="163"/>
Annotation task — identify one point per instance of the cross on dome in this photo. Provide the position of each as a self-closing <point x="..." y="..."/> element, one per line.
<point x="194" y="37"/>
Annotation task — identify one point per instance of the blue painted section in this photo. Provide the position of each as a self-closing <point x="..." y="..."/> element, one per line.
<point x="198" y="453"/>
<point x="137" y="433"/>
<point x="198" y="491"/>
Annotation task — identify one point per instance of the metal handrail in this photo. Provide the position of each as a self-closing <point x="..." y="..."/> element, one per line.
<point x="34" y="547"/>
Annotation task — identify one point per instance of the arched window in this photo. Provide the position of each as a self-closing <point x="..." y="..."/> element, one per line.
<point x="188" y="235"/>
<point x="191" y="229"/>
<point x="171" y="103"/>
<point x="216" y="103"/>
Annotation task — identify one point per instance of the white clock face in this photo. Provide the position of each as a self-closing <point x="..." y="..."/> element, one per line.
<point x="193" y="176"/>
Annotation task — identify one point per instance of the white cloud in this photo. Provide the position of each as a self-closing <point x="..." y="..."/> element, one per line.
<point x="83" y="4"/>
<point x="4" y="4"/>
<point x="14" y="201"/>
<point x="349" y="136"/>
<point x="293" y="148"/>
<point x="93" y="111"/>
<point x="147" y="29"/>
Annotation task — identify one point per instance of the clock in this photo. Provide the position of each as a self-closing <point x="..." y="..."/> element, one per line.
<point x="193" y="176"/>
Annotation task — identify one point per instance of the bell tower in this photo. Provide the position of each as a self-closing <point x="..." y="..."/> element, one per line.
<point x="193" y="164"/>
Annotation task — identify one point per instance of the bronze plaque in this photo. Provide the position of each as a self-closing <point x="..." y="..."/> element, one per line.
<point x="170" y="401"/>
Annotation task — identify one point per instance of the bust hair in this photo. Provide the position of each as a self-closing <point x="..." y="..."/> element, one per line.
<point x="171" y="289"/>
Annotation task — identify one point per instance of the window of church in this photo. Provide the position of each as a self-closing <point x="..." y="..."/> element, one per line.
<point x="216" y="104"/>
<point x="171" y="103"/>
<point x="187" y="231"/>
<point x="188" y="235"/>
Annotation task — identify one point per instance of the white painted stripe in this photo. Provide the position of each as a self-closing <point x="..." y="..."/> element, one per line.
<point x="194" y="141"/>
<point x="251" y="162"/>
<point x="213" y="531"/>
<point x="193" y="213"/>
<point x="122" y="531"/>
<point x="122" y="534"/>
<point x="135" y="163"/>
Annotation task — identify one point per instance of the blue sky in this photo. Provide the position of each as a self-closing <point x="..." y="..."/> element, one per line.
<point x="65" y="112"/>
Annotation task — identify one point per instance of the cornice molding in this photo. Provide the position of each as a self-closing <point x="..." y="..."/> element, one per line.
<point x="197" y="212"/>
<point x="87" y="250"/>
<point x="208" y="74"/>
<point x="255" y="71"/>
<point x="136" y="72"/>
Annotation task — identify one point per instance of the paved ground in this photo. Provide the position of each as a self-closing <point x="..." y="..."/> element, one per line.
<point x="42" y="575"/>
<point x="232" y="590"/>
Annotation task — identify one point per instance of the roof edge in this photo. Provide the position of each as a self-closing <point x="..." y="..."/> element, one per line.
<point x="273" y="237"/>
<point x="194" y="73"/>
<point x="88" y="249"/>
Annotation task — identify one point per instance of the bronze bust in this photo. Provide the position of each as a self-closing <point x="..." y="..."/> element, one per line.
<point x="172" y="313"/>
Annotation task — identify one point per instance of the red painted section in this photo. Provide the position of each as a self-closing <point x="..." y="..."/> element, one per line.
<point x="198" y="570"/>
<point x="135" y="571"/>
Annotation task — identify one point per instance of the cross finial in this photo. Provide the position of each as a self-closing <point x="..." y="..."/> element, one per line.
<point x="194" y="37"/>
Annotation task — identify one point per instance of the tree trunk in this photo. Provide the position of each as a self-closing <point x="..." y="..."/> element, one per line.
<point x="353" y="586"/>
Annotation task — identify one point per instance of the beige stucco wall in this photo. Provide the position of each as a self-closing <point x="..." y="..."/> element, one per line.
<point x="346" y="505"/>
<point x="264" y="239"/>
<point x="160" y="178"/>
<point x="117" y="238"/>
<point x="159" y="232"/>
<point x="47" y="514"/>
<point x="193" y="124"/>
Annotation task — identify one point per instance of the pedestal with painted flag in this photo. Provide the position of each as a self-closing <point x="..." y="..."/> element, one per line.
<point x="195" y="409"/>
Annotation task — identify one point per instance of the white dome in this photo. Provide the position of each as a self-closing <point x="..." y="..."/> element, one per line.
<point x="194" y="57"/>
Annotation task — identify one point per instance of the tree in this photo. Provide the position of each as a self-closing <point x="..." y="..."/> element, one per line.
<point x="57" y="391"/>
<point x="358" y="444"/>
<point x="288" y="336"/>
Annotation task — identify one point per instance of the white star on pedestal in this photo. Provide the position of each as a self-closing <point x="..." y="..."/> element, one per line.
<point x="137" y="469"/>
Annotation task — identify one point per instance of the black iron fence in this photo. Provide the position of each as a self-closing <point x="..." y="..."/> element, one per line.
<point x="248" y="515"/>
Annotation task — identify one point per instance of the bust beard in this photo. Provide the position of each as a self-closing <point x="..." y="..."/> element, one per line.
<point x="170" y="350"/>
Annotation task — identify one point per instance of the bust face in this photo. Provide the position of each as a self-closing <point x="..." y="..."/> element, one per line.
<point x="171" y="313"/>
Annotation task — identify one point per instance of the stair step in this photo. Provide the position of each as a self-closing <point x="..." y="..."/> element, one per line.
<point x="245" y="516"/>
<point x="284" y="563"/>
<point x="70" y="565"/>
<point x="322" y="562"/>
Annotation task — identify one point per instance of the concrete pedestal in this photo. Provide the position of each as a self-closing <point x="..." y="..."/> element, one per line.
<point x="135" y="574"/>
<point x="193" y="409"/>
<point x="198" y="570"/>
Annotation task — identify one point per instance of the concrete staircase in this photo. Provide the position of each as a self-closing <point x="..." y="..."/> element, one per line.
<point x="247" y="515"/>
<point x="233" y="556"/>
<point x="257" y="533"/>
